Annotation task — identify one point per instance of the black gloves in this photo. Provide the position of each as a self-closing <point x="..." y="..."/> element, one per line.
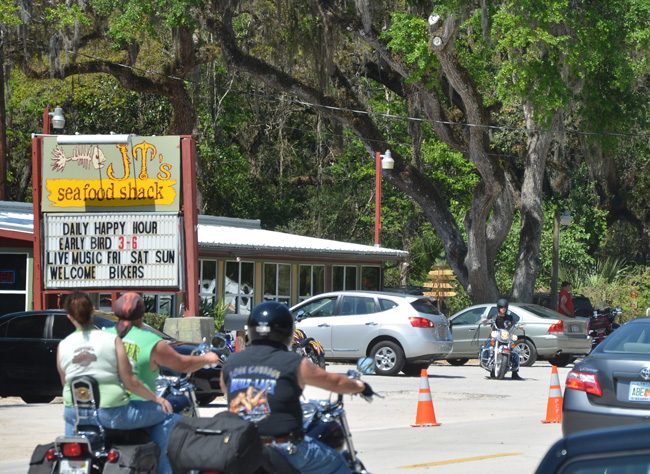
<point x="367" y="390"/>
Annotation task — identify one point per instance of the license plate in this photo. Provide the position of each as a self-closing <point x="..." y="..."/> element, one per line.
<point x="574" y="328"/>
<point x="70" y="466"/>
<point x="640" y="391"/>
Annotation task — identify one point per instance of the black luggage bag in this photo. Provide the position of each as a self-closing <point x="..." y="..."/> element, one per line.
<point x="224" y="443"/>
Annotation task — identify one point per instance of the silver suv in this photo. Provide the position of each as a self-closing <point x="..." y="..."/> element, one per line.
<point x="400" y="332"/>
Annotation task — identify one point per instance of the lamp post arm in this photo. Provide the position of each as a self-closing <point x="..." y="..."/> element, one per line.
<point x="377" y="197"/>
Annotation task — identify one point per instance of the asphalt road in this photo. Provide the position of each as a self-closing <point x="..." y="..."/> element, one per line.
<point x="485" y="425"/>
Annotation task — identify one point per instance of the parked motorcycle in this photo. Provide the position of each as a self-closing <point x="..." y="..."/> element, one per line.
<point x="308" y="347"/>
<point x="495" y="355"/>
<point x="602" y="323"/>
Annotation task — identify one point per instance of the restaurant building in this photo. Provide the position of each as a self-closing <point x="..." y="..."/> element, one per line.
<point x="239" y="265"/>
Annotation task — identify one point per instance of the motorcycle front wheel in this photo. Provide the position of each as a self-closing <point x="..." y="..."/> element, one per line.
<point x="500" y="365"/>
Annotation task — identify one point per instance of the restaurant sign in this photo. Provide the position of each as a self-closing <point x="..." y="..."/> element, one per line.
<point x="141" y="175"/>
<point x="126" y="250"/>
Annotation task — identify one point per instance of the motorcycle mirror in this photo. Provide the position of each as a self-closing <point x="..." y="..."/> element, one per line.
<point x="366" y="365"/>
<point x="219" y="342"/>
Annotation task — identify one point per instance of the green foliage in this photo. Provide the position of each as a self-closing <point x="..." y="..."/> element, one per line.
<point x="408" y="37"/>
<point x="155" y="320"/>
<point x="9" y="14"/>
<point x="66" y="16"/>
<point x="217" y="311"/>
<point x="612" y="283"/>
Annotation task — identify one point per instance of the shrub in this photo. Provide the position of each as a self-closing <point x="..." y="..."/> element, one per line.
<point x="155" y="320"/>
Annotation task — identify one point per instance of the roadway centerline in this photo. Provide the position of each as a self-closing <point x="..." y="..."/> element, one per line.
<point x="459" y="460"/>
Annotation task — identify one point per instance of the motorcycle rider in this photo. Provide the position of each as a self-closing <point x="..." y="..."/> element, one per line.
<point x="268" y="379"/>
<point x="91" y="351"/>
<point x="505" y="319"/>
<point x="148" y="352"/>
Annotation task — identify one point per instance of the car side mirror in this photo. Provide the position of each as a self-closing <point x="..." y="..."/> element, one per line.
<point x="300" y="315"/>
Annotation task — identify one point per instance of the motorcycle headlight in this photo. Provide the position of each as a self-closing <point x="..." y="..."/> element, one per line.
<point x="514" y="337"/>
<point x="494" y="334"/>
<point x="503" y="334"/>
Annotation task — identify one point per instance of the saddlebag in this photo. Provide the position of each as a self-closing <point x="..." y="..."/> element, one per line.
<point x="39" y="464"/>
<point x="224" y="443"/>
<point x="134" y="459"/>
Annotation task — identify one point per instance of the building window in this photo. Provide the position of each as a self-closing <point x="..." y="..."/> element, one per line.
<point x="312" y="281"/>
<point x="13" y="282"/>
<point x="162" y="304"/>
<point x="208" y="281"/>
<point x="344" y="277"/>
<point x="277" y="282"/>
<point x="238" y="287"/>
<point x="370" y="278"/>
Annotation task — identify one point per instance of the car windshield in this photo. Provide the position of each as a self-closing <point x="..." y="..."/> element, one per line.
<point x="424" y="305"/>
<point x="541" y="311"/>
<point x="628" y="339"/>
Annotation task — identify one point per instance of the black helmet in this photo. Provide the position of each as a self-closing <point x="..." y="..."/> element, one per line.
<point x="271" y="321"/>
<point x="502" y="303"/>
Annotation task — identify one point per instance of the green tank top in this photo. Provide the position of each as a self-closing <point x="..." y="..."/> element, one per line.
<point x="138" y="344"/>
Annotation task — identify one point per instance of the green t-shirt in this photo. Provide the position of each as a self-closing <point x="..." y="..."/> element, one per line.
<point x="138" y="344"/>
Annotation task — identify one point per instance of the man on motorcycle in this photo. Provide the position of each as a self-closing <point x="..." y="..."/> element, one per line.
<point x="267" y="380"/>
<point x="504" y="319"/>
<point x="147" y="352"/>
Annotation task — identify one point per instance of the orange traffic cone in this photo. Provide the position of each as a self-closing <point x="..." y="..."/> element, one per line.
<point x="425" y="415"/>
<point x="554" y="406"/>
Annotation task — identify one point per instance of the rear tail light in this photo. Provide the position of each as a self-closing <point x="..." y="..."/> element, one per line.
<point x="112" y="456"/>
<point x="418" y="322"/>
<point x="584" y="382"/>
<point x="557" y="327"/>
<point x="51" y="454"/>
<point x="74" y="450"/>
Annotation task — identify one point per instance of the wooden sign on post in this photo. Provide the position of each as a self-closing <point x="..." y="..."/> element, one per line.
<point x="441" y="283"/>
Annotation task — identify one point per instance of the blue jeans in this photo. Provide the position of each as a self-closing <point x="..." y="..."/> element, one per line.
<point x="136" y="414"/>
<point x="313" y="457"/>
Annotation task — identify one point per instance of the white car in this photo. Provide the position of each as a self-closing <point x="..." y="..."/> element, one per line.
<point x="400" y="332"/>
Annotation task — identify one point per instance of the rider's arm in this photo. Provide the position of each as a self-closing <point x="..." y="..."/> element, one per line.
<point x="131" y="382"/>
<point x="163" y="355"/>
<point x="311" y="374"/>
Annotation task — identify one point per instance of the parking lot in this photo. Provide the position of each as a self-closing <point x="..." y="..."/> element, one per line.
<point x="485" y="425"/>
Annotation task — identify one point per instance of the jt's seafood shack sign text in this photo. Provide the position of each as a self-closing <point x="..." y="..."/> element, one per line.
<point x="111" y="214"/>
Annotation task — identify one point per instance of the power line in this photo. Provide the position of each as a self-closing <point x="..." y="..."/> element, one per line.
<point x="379" y="114"/>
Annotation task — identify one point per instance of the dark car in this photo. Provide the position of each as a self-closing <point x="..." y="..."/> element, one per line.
<point x="611" y="386"/>
<point x="619" y="450"/>
<point x="28" y="344"/>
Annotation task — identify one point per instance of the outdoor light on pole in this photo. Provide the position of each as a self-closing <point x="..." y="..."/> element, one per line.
<point x="382" y="162"/>
<point x="560" y="219"/>
<point x="53" y="119"/>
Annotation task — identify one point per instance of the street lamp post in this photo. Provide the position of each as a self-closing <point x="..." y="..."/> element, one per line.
<point x="559" y="219"/>
<point x="382" y="162"/>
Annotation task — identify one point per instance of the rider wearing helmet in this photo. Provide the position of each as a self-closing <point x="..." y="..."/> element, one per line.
<point x="504" y="319"/>
<point x="266" y="381"/>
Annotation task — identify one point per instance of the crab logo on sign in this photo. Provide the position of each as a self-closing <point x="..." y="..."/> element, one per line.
<point x="645" y="373"/>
